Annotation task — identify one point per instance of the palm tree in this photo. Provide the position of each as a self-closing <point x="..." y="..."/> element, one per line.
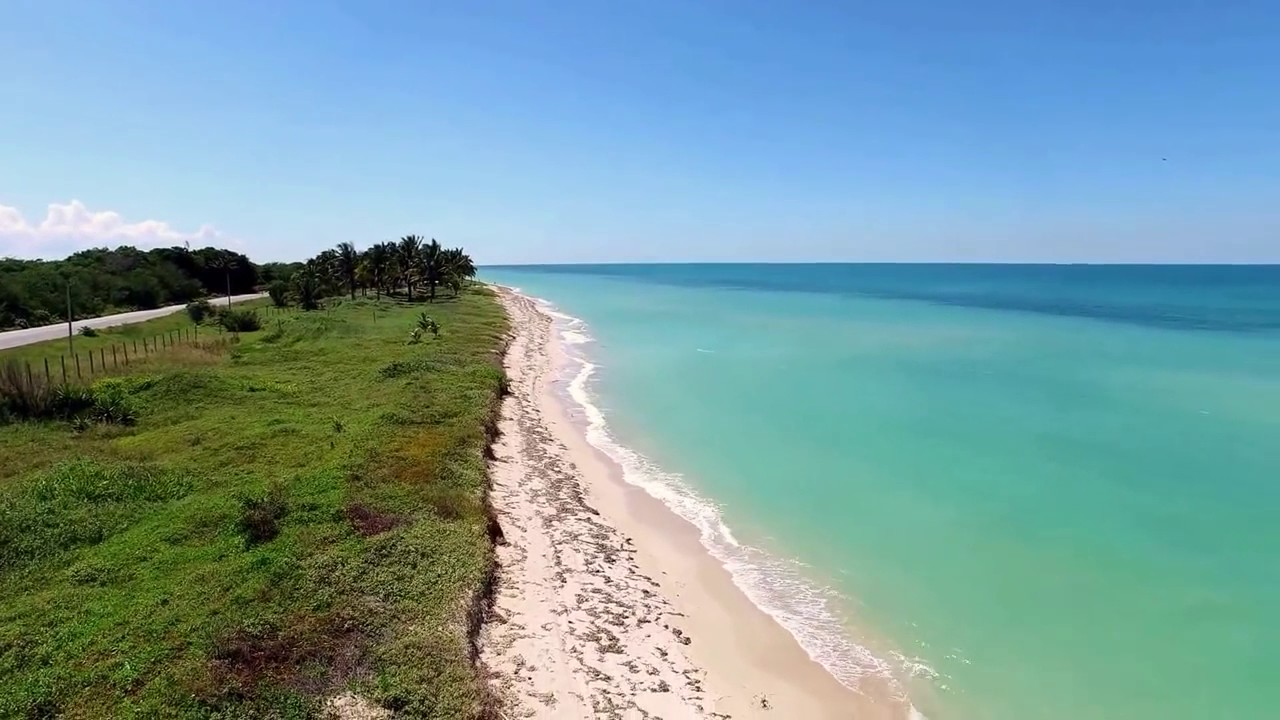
<point x="307" y="284"/>
<point x="432" y="259"/>
<point x="346" y="264"/>
<point x="225" y="262"/>
<point x="327" y="271"/>
<point x="378" y="261"/>
<point x="458" y="267"/>
<point x="407" y="253"/>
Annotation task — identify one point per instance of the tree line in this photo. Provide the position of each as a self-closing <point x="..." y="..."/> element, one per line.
<point x="386" y="268"/>
<point x="103" y="281"/>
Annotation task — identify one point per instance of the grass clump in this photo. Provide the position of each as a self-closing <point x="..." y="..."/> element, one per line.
<point x="153" y="570"/>
<point x="260" y="515"/>
<point x="24" y="396"/>
<point x="86" y="331"/>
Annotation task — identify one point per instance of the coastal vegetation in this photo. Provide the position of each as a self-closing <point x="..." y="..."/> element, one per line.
<point x="100" y="282"/>
<point x="255" y="522"/>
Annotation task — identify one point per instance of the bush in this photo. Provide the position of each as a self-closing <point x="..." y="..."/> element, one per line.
<point x="278" y="290"/>
<point x="199" y="310"/>
<point x="87" y="331"/>
<point x="239" y="320"/>
<point x="260" y="516"/>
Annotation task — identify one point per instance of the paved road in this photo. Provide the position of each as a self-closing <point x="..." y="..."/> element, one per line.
<point x="14" y="338"/>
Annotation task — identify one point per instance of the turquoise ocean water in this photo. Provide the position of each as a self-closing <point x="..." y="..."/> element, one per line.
<point x="1023" y="491"/>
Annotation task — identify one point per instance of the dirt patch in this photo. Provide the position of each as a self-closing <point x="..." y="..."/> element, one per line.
<point x="367" y="521"/>
<point x="312" y="655"/>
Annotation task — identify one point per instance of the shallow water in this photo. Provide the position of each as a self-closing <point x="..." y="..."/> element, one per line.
<point x="1026" y="492"/>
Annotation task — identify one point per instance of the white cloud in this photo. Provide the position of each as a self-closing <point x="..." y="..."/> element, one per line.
<point x="69" y="227"/>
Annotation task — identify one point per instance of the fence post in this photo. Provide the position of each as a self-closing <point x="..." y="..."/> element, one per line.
<point x="91" y="361"/>
<point x="115" y="361"/>
<point x="135" y="347"/>
<point x="29" y="380"/>
<point x="124" y="348"/>
<point x="78" y="376"/>
<point x="48" y="380"/>
<point x="63" y="358"/>
<point x="102" y="355"/>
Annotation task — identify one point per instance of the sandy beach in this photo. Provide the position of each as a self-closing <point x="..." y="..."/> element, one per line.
<point x="607" y="604"/>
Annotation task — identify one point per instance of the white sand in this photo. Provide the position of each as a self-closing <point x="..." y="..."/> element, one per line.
<point x="607" y="605"/>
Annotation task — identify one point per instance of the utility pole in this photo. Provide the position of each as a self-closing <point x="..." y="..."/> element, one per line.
<point x="71" y="337"/>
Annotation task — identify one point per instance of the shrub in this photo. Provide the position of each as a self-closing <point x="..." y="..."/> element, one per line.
<point x="199" y="310"/>
<point x="87" y="331"/>
<point x="260" y="516"/>
<point x="278" y="290"/>
<point x="239" y="320"/>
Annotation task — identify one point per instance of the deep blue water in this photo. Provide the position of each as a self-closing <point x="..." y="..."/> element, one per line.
<point x="1230" y="298"/>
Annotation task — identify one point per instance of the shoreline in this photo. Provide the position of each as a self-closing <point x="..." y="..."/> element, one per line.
<point x="591" y="556"/>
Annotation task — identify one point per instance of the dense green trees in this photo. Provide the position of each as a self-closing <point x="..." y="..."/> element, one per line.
<point x="34" y="292"/>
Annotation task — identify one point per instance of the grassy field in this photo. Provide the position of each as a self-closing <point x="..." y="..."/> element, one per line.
<point x="291" y="516"/>
<point x="125" y="338"/>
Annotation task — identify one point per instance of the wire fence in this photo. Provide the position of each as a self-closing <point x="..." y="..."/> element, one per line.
<point x="118" y="354"/>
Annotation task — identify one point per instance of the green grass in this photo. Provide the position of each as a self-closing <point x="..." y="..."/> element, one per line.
<point x="134" y="585"/>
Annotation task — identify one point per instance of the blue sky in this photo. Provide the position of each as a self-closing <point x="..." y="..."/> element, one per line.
<point x="647" y="131"/>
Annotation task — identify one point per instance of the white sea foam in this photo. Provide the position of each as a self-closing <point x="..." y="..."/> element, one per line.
<point x="776" y="585"/>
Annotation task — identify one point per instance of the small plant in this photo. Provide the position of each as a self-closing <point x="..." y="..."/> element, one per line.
<point x="415" y="336"/>
<point x="87" y="331"/>
<point x="260" y="516"/>
<point x="71" y="401"/>
<point x="239" y="320"/>
<point x="199" y="310"/>
<point x="338" y="426"/>
<point x="428" y="324"/>
<point x="112" y="405"/>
